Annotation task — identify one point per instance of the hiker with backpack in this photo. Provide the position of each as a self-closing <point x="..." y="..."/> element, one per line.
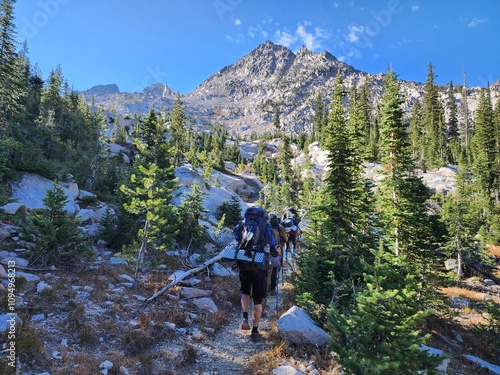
<point x="280" y="237"/>
<point x="291" y="225"/>
<point x="254" y="236"/>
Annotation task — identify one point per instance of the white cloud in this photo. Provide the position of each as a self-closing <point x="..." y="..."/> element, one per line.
<point x="475" y="21"/>
<point x="355" y="53"/>
<point x="254" y="31"/>
<point x="311" y="39"/>
<point x="415" y="8"/>
<point x="354" y="32"/>
<point x="267" y="19"/>
<point x="237" y="22"/>
<point x="357" y="37"/>
<point x="238" y="38"/>
<point x="284" y="38"/>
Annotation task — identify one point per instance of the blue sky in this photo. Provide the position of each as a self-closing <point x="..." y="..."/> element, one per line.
<point x="183" y="42"/>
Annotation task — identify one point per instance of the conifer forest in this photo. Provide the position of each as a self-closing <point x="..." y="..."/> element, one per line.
<point x="371" y="266"/>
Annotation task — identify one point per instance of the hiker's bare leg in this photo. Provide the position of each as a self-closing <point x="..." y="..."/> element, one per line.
<point x="256" y="314"/>
<point x="245" y="302"/>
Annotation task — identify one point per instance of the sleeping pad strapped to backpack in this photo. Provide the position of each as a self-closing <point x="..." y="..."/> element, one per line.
<point x="251" y="236"/>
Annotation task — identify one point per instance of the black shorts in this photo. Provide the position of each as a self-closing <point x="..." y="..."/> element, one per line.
<point x="254" y="283"/>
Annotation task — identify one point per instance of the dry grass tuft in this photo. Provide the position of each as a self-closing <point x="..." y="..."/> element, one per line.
<point x="5" y="368"/>
<point x="87" y="335"/>
<point x="136" y="342"/>
<point x="216" y="320"/>
<point x="265" y="362"/>
<point x="29" y="345"/>
<point x="466" y="293"/>
<point x="494" y="250"/>
<point x="188" y="355"/>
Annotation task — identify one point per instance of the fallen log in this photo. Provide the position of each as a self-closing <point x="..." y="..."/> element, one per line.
<point x="183" y="276"/>
<point x="482" y="269"/>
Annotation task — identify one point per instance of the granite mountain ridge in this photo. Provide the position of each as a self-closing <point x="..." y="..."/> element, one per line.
<point x="242" y="96"/>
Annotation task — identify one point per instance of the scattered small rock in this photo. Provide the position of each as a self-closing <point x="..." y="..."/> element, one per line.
<point x="42" y="285"/>
<point x="38" y="317"/>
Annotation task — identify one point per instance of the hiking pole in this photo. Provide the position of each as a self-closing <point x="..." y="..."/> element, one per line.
<point x="277" y="286"/>
<point x="282" y="268"/>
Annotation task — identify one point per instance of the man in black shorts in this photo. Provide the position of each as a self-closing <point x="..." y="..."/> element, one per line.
<point x="254" y="284"/>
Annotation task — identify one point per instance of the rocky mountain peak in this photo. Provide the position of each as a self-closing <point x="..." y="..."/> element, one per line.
<point x="159" y="90"/>
<point x="242" y="95"/>
<point x="304" y="51"/>
<point x="111" y="88"/>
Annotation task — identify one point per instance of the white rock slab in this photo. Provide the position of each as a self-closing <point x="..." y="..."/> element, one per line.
<point x="33" y="188"/>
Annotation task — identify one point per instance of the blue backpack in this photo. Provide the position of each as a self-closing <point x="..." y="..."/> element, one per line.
<point x="250" y="232"/>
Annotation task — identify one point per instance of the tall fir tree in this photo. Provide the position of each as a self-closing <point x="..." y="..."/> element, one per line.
<point x="319" y="110"/>
<point x="330" y="263"/>
<point x="484" y="144"/>
<point x="459" y="215"/>
<point x="12" y="90"/>
<point x="466" y="129"/>
<point x="178" y="130"/>
<point x="496" y="127"/>
<point x="149" y="192"/>
<point x="417" y="147"/>
<point x="401" y="193"/>
<point x="452" y="127"/>
<point x="359" y="121"/>
<point x="276" y="117"/>
<point x="285" y="160"/>
<point x="433" y="124"/>
<point x="379" y="332"/>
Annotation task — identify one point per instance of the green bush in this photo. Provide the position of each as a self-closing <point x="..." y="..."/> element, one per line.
<point x="230" y="210"/>
<point x="55" y="238"/>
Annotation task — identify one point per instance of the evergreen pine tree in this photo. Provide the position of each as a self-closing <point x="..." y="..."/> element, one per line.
<point x="401" y="193"/>
<point x="459" y="215"/>
<point x="496" y="127"/>
<point x="55" y="236"/>
<point x="359" y="121"/>
<point x="452" y="126"/>
<point x="484" y="143"/>
<point x="178" y="130"/>
<point x="433" y="123"/>
<point x="417" y="147"/>
<point x="276" y="117"/>
<point x="285" y="160"/>
<point x="12" y="90"/>
<point x="364" y="118"/>
<point x="380" y="335"/>
<point x="319" y="111"/>
<point x="231" y="211"/>
<point x="149" y="192"/>
<point x="330" y="263"/>
<point x="108" y="225"/>
<point x="190" y="209"/>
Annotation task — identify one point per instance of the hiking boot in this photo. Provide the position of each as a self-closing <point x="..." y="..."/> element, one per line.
<point x="244" y="324"/>
<point x="255" y="336"/>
